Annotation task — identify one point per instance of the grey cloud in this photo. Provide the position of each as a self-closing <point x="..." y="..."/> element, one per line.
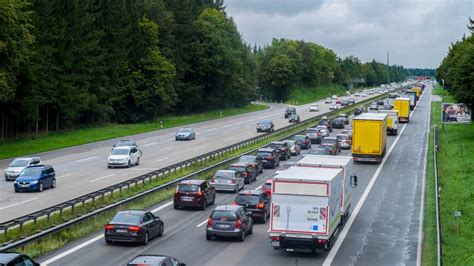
<point x="416" y="33"/>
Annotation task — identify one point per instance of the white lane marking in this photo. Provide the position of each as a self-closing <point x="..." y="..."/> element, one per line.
<point x="72" y="250"/>
<point x="63" y="176"/>
<point x="85" y="159"/>
<point x="345" y="230"/>
<point x="259" y="187"/>
<point x="100" y="178"/>
<point x="226" y="126"/>
<point x="167" y="148"/>
<point x="150" y="144"/>
<point x="160" y="160"/>
<point x="212" y="129"/>
<point x="200" y="148"/>
<point x="18" y="203"/>
<point x="201" y="224"/>
<point x="347" y="227"/>
<point x="90" y="241"/>
<point x="227" y="139"/>
<point x="198" y="132"/>
<point x="171" y="138"/>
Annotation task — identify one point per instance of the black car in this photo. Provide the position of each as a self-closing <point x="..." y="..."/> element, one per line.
<point x="194" y="193"/>
<point x="254" y="160"/>
<point x="282" y="148"/>
<point x="303" y="141"/>
<point x="270" y="158"/>
<point x="246" y="170"/>
<point x="294" y="118"/>
<point x="337" y="123"/>
<point x="133" y="226"/>
<point x="351" y="100"/>
<point x="265" y="126"/>
<point x="358" y="111"/>
<point x="256" y="202"/>
<point x="289" y="111"/>
<point x="332" y="140"/>
<point x="344" y="118"/>
<point x="229" y="221"/>
<point x="344" y="103"/>
<point x="154" y="260"/>
<point x="14" y="258"/>
<point x="380" y="102"/>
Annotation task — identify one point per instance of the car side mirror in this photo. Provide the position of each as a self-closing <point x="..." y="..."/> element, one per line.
<point x="353" y="181"/>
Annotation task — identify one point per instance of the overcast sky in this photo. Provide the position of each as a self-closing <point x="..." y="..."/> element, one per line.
<point x="416" y="33"/>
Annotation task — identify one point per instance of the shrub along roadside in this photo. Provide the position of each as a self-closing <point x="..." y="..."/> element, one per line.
<point x="91" y="225"/>
<point x="54" y="141"/>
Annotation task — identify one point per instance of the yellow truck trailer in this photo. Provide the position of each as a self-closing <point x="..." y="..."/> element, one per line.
<point x="402" y="105"/>
<point x="392" y="121"/>
<point x="418" y="91"/>
<point x="369" y="137"/>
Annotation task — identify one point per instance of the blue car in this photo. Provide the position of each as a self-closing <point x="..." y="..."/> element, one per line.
<point x="36" y="178"/>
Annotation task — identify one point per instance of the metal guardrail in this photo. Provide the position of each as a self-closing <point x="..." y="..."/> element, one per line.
<point x="91" y="197"/>
<point x="437" y="195"/>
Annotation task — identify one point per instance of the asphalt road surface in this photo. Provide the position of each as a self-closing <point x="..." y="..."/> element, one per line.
<point x="383" y="229"/>
<point x="83" y="169"/>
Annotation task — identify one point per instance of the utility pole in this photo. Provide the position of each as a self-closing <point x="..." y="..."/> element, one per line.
<point x="388" y="68"/>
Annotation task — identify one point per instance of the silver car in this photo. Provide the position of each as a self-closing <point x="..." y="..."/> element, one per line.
<point x="227" y="180"/>
<point x="124" y="156"/>
<point x="294" y="148"/>
<point x="16" y="166"/>
<point x="333" y="107"/>
<point x="186" y="133"/>
<point x="324" y="130"/>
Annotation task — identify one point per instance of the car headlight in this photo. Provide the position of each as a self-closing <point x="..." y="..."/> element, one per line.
<point x="33" y="182"/>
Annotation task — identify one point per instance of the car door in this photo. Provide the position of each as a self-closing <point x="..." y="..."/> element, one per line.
<point x="133" y="155"/>
<point x="245" y="219"/>
<point x="150" y="224"/>
<point x="266" y="202"/>
<point x="206" y="191"/>
<point x="50" y="172"/>
<point x="240" y="180"/>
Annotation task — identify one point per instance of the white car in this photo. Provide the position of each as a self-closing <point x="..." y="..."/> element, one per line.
<point x="16" y="166"/>
<point x="328" y="100"/>
<point x="324" y="130"/>
<point x="124" y="156"/>
<point x="334" y="97"/>
<point x="363" y="95"/>
<point x="356" y="94"/>
<point x="314" y="108"/>
<point x="333" y="107"/>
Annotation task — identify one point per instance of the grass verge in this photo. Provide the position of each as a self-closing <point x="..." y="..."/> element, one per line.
<point x="304" y="95"/>
<point x="95" y="223"/>
<point x="455" y="167"/>
<point x="53" y="141"/>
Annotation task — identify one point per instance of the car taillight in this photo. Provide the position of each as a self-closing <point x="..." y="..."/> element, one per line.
<point x="238" y="224"/>
<point x="233" y="181"/>
<point x="275" y="238"/>
<point x="134" y="228"/>
<point x="109" y="227"/>
<point x="199" y="194"/>
<point x="322" y="241"/>
<point x="306" y="141"/>
<point x="270" y="158"/>
<point x="245" y="174"/>
<point x="209" y="222"/>
<point x="261" y="206"/>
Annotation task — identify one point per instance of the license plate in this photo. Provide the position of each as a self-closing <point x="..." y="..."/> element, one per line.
<point x="186" y="199"/>
<point x="224" y="226"/>
<point x="24" y="185"/>
<point x="264" y="160"/>
<point x="121" y="231"/>
<point x="275" y="244"/>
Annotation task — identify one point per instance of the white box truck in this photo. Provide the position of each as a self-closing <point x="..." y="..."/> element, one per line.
<point x="336" y="162"/>
<point x="306" y="204"/>
<point x="392" y="121"/>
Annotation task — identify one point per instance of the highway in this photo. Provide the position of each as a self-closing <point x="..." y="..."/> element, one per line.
<point x="83" y="169"/>
<point x="384" y="226"/>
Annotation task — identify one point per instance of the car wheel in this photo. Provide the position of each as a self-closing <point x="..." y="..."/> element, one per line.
<point x="204" y="205"/>
<point x="108" y="166"/>
<point x="176" y="207"/>
<point x="242" y="236"/>
<point x="138" y="161"/>
<point x="213" y="200"/>
<point x="162" y="228"/>
<point x="53" y="185"/>
<point x="146" y="239"/>
<point x="40" y="187"/>
<point x="109" y="241"/>
<point x="176" y="138"/>
<point x="16" y="190"/>
<point x="129" y="164"/>
<point x="208" y="237"/>
<point x="264" y="219"/>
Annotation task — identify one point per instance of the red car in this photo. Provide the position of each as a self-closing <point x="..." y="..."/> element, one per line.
<point x="338" y="101"/>
<point x="267" y="187"/>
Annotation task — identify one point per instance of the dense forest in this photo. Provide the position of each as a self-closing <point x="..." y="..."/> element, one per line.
<point x="65" y="63"/>
<point x="457" y="68"/>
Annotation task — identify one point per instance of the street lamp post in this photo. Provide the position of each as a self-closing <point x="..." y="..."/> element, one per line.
<point x="443" y="97"/>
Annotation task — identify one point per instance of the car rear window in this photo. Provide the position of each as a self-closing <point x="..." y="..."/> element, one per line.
<point x="128" y="218"/>
<point x="247" y="199"/>
<point x="237" y="168"/>
<point x="267" y="186"/>
<point x="312" y="130"/>
<point x="276" y="146"/>
<point x="299" y="138"/>
<point x="188" y="188"/>
<point x="342" y="137"/>
<point x="224" y="215"/>
<point x="264" y="153"/>
<point x="146" y="260"/>
<point x="224" y="175"/>
<point x="247" y="159"/>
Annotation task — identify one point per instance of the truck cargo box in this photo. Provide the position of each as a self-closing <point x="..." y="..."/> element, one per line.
<point x="392" y="121"/>
<point x="402" y="105"/>
<point x="369" y="137"/>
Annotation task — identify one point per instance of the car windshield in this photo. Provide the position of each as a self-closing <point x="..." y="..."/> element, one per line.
<point x="319" y="151"/>
<point x="19" y="163"/>
<point x="188" y="188"/>
<point x="224" y="175"/>
<point x="119" y="151"/>
<point x="123" y="143"/>
<point x="247" y="199"/>
<point x="184" y="130"/>
<point x="224" y="215"/>
<point x="128" y="218"/>
<point x="237" y="168"/>
<point x="147" y="260"/>
<point x="264" y="123"/>
<point x="264" y="153"/>
<point x="249" y="159"/>
<point x="31" y="171"/>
